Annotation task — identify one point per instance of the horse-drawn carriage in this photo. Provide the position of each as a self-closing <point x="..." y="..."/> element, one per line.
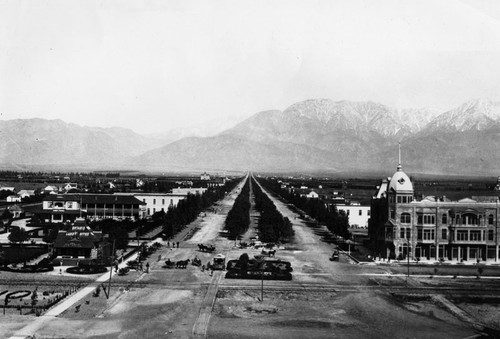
<point x="206" y="248"/>
<point x="218" y="262"/>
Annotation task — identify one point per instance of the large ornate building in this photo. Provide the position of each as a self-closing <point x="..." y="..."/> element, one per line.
<point x="433" y="228"/>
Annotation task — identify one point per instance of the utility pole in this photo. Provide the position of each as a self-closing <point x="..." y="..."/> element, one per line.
<point x="111" y="269"/>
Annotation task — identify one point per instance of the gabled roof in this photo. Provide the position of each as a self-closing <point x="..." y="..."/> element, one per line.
<point x="79" y="235"/>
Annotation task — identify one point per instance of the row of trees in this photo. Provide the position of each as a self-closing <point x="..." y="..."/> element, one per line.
<point x="273" y="227"/>
<point x="238" y="218"/>
<point x="336" y="221"/>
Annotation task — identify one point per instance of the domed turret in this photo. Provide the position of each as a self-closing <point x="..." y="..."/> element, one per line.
<point x="400" y="182"/>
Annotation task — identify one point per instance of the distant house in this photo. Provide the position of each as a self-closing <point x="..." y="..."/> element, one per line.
<point x="205" y="176"/>
<point x="218" y="181"/>
<point x="13" y="198"/>
<point x="70" y="186"/>
<point x="6" y="188"/>
<point x="307" y="193"/>
<point x="26" y="193"/>
<point x="15" y="210"/>
<point x="190" y="190"/>
<point x="312" y="195"/>
<point x="50" y="190"/>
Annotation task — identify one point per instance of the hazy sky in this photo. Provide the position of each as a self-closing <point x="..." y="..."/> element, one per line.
<point x="156" y="65"/>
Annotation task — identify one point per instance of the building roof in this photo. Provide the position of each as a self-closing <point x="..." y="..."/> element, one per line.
<point x="78" y="236"/>
<point x="86" y="198"/>
<point x="400" y="182"/>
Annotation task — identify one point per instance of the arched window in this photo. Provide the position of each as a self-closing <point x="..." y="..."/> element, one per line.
<point x="490" y="219"/>
<point x="405" y="218"/>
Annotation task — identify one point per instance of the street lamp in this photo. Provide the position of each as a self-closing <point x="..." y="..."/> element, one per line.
<point x="349" y="242"/>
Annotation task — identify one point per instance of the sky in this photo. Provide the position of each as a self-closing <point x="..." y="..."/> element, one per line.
<point x="153" y="66"/>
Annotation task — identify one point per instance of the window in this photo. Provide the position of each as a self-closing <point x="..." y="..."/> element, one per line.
<point x="490" y="219"/>
<point x="143" y="200"/>
<point x="419" y="234"/>
<point x="171" y="201"/>
<point x="163" y="201"/>
<point x="154" y="210"/>
<point x="405" y="199"/>
<point x="368" y="212"/>
<point x="154" y="201"/>
<point x="348" y="212"/>
<point x="429" y="219"/>
<point x="444" y="219"/>
<point x="405" y="218"/>
<point x="462" y="236"/>
<point x="490" y="235"/>
<point x="475" y="235"/>
<point x="393" y="215"/>
<point x="149" y="211"/>
<point x="428" y="234"/>
<point x="399" y="199"/>
<point x="420" y="219"/>
<point x="402" y="233"/>
<point x="360" y="212"/>
<point x="444" y="234"/>
<point x="408" y="233"/>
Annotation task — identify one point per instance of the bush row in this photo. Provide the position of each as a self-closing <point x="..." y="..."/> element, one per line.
<point x="238" y="218"/>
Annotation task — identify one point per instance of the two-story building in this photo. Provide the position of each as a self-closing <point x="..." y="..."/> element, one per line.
<point x="433" y="228"/>
<point x="67" y="207"/>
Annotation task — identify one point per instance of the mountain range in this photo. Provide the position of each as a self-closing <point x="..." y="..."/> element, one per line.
<point x="312" y="135"/>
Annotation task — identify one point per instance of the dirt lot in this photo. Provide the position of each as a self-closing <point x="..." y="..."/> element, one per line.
<point x="326" y="315"/>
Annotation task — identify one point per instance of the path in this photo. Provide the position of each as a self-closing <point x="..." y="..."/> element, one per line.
<point x="201" y="325"/>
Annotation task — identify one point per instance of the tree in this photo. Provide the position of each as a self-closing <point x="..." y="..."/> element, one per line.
<point x="18" y="235"/>
<point x="52" y="235"/>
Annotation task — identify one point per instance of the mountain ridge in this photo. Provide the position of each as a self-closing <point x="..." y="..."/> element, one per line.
<point x="311" y="135"/>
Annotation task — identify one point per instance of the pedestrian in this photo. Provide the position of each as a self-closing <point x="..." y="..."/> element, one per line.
<point x="159" y="257"/>
<point x="140" y="267"/>
<point x="168" y="243"/>
<point x="177" y="244"/>
<point x="147" y="267"/>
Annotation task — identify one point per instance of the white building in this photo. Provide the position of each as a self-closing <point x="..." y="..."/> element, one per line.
<point x="6" y="188"/>
<point x="156" y="202"/>
<point x="188" y="190"/>
<point x="205" y="176"/>
<point x="26" y="193"/>
<point x="358" y="215"/>
<point x="13" y="198"/>
<point x="70" y="186"/>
